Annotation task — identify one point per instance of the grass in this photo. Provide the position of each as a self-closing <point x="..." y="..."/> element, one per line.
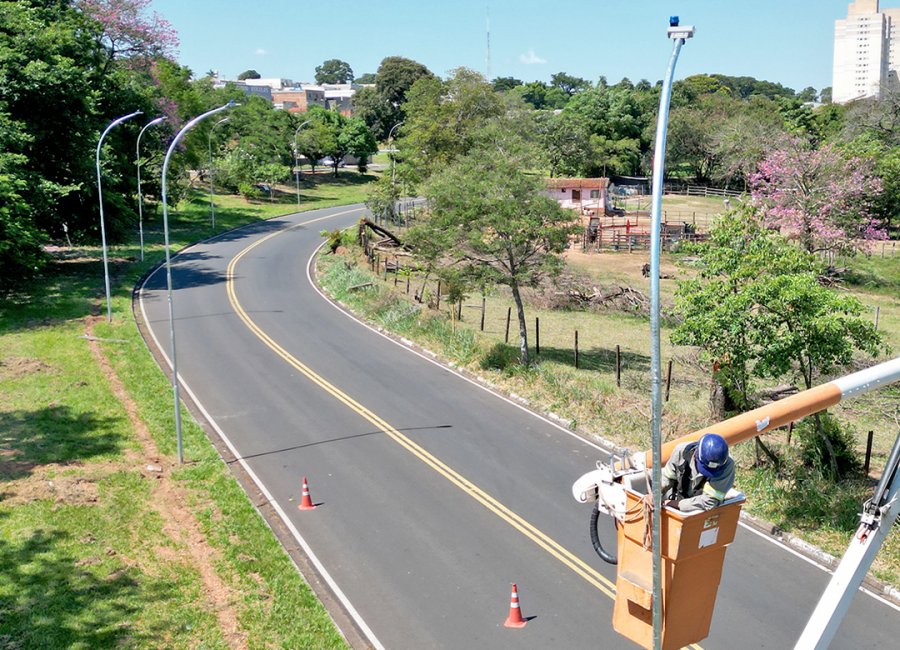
<point x="93" y="552"/>
<point x="590" y="400"/>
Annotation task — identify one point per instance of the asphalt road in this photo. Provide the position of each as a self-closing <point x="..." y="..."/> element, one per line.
<point x="434" y="494"/>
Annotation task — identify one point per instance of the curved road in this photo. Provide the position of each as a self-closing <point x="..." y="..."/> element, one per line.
<point x="434" y="494"/>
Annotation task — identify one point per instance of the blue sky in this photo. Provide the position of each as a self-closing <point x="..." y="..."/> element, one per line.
<point x="786" y="41"/>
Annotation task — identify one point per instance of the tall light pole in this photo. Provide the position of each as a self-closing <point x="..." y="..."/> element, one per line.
<point x="109" y="128"/>
<point x="212" y="207"/>
<point x="137" y="163"/>
<point x="297" y="161"/>
<point x="165" y="168"/>
<point x="393" y="177"/>
<point x="679" y="35"/>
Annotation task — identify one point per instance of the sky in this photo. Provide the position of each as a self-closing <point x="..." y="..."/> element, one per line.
<point x="785" y="41"/>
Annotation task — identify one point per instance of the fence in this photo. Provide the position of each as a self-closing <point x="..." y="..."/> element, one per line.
<point x="699" y="190"/>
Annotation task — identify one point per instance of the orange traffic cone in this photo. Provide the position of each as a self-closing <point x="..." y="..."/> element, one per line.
<point x="515" y="614"/>
<point x="305" y="501"/>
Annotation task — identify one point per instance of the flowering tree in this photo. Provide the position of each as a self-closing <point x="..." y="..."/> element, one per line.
<point x="128" y="30"/>
<point x="818" y="197"/>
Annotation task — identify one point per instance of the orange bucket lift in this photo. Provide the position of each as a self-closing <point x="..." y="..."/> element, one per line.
<point x="693" y="544"/>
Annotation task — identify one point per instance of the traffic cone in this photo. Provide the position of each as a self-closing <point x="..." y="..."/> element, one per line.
<point x="305" y="501"/>
<point x="515" y="613"/>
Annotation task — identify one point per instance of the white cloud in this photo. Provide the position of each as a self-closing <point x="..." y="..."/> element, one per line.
<point x="260" y="52"/>
<point x="530" y="58"/>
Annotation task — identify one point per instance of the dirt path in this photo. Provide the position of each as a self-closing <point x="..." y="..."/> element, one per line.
<point x="171" y="502"/>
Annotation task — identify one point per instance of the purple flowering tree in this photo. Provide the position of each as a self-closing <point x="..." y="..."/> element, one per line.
<point x="818" y="197"/>
<point x="130" y="30"/>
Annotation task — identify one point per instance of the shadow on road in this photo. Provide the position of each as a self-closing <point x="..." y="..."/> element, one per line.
<point x="338" y="439"/>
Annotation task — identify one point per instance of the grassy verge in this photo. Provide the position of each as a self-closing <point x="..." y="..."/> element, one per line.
<point x="105" y="541"/>
<point x="823" y="514"/>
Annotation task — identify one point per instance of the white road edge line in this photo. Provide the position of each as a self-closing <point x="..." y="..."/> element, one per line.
<point x="345" y="601"/>
<point x="427" y="358"/>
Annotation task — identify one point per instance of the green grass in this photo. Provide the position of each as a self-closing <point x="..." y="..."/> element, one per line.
<point x="589" y="398"/>
<point x="88" y="559"/>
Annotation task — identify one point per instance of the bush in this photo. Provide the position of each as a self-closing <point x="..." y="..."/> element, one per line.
<point x="249" y="191"/>
<point x="500" y="357"/>
<point x="826" y="449"/>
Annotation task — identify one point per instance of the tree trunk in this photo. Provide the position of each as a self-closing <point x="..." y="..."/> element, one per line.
<point x="716" y="398"/>
<point x="523" y="331"/>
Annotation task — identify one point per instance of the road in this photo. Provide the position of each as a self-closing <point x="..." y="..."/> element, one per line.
<point x="433" y="494"/>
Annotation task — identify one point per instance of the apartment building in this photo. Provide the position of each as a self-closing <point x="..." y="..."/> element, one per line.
<point x="866" y="51"/>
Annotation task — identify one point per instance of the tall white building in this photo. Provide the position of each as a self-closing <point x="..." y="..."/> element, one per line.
<point x="866" y="51"/>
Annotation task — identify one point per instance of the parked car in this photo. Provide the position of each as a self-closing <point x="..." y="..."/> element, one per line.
<point x="329" y="162"/>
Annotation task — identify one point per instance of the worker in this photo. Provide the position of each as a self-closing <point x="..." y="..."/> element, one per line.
<point x="698" y="475"/>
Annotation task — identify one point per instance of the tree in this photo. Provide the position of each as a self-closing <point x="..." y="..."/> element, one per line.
<point x="493" y="224"/>
<point x="128" y="31"/>
<point x="357" y="139"/>
<point x="825" y="95"/>
<point x="568" y="83"/>
<point x="249" y="74"/>
<point x="366" y="78"/>
<point x="808" y="94"/>
<point x="334" y="71"/>
<point x="541" y="96"/>
<point x="565" y="143"/>
<point x="758" y="310"/>
<point x="818" y="197"/>
<point x="502" y="84"/>
<point x="381" y="107"/>
<point x="444" y="120"/>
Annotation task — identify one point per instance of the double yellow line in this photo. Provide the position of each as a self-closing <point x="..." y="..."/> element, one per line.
<point x="588" y="573"/>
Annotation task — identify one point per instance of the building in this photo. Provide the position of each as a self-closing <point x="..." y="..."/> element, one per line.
<point x="339" y="97"/>
<point x="583" y="194"/>
<point x="299" y="99"/>
<point x="866" y="52"/>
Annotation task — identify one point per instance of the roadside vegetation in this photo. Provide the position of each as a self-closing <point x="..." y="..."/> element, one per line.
<point x="106" y="540"/>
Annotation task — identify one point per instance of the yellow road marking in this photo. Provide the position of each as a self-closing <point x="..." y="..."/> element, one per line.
<point x="544" y="541"/>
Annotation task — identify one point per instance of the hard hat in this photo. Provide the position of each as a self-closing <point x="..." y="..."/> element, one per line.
<point x="712" y="455"/>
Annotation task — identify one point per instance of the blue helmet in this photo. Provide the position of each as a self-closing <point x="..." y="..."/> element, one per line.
<point x="712" y="455"/>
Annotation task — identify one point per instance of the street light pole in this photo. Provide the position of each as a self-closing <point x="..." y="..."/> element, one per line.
<point x="393" y="177"/>
<point x="165" y="168"/>
<point x="212" y="207"/>
<point x="138" y="165"/>
<point x="297" y="161"/>
<point x="679" y="35"/>
<point x="109" y="128"/>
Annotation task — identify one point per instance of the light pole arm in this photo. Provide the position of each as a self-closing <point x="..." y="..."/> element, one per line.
<point x="109" y="128"/>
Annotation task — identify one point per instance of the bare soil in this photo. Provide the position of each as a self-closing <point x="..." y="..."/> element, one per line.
<point x="172" y="504"/>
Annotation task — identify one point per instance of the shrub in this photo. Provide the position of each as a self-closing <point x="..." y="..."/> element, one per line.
<point x="500" y="357"/>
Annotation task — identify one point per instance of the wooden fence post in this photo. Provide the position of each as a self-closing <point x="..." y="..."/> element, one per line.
<point x="618" y="367"/>
<point x="482" y="312"/>
<point x="537" y="335"/>
<point x="508" y="314"/>
<point x="438" y="296"/>
<point x="877" y="313"/>
<point x="790" y="433"/>
<point x="868" y="453"/>
<point x="576" y="349"/>
<point x="668" y="379"/>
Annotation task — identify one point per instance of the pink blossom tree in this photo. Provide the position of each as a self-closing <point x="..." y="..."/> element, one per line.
<point x="129" y="30"/>
<point x="818" y="197"/>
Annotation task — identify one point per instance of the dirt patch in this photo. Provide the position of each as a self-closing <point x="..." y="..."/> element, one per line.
<point x="69" y="490"/>
<point x="18" y="367"/>
<point x="170" y="501"/>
